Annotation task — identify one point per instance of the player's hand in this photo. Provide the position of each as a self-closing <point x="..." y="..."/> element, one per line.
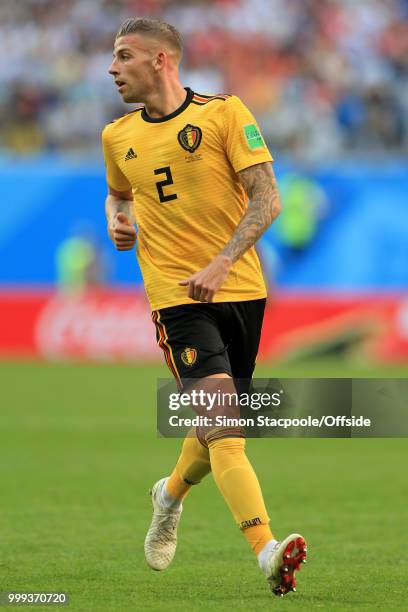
<point x="203" y="285"/>
<point x="122" y="232"/>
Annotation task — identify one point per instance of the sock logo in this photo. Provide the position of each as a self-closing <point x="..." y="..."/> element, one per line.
<point x="250" y="523"/>
<point x="189" y="482"/>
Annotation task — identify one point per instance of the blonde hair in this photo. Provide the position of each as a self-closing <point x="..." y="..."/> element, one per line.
<point x="153" y="28"/>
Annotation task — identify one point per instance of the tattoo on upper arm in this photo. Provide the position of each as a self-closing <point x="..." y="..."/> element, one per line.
<point x="260" y="185"/>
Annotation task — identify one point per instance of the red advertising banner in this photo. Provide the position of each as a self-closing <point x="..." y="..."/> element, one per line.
<point x="115" y="325"/>
<point x="312" y="325"/>
<point x="96" y="326"/>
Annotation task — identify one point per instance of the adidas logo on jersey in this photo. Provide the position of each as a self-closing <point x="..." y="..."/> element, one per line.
<point x="130" y="154"/>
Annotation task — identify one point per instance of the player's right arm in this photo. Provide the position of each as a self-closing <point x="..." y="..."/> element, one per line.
<point x="119" y="215"/>
<point x="119" y="202"/>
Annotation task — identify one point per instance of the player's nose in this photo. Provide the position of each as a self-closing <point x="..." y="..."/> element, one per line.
<point x="113" y="68"/>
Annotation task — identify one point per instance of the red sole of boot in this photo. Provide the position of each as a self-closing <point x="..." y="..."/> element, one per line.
<point x="293" y="557"/>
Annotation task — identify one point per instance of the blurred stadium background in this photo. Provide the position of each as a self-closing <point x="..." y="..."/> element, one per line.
<point x="328" y="81"/>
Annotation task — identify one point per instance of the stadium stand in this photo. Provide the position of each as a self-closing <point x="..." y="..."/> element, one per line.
<point x="337" y="68"/>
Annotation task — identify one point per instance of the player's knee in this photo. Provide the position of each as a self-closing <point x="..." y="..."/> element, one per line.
<point x="213" y="435"/>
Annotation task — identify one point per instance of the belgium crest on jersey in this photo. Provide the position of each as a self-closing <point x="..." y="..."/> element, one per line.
<point x="190" y="137"/>
<point x="189" y="356"/>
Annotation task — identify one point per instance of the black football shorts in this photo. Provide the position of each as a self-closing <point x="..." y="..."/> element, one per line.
<point x="202" y="339"/>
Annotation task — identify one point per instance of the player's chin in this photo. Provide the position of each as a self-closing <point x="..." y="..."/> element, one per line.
<point x="128" y="97"/>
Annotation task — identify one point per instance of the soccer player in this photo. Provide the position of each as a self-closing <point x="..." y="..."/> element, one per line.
<point x="182" y="169"/>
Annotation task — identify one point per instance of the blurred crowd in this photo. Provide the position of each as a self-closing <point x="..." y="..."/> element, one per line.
<point x="325" y="78"/>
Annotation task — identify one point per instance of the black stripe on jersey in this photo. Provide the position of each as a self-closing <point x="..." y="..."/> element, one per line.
<point x="213" y="96"/>
<point x="204" y="103"/>
<point x="179" y="110"/>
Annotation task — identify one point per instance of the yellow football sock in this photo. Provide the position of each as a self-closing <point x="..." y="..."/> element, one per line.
<point x="258" y="536"/>
<point x="237" y="481"/>
<point x="192" y="466"/>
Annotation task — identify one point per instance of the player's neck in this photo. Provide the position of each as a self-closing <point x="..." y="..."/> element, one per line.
<point x="165" y="100"/>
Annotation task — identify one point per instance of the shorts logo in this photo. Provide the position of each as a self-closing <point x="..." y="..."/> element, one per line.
<point x="190" y="137"/>
<point x="189" y="356"/>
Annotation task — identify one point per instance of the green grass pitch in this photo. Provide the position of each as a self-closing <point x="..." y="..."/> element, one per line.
<point x="79" y="452"/>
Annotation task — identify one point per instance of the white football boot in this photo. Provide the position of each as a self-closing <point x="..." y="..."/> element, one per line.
<point x="161" y="539"/>
<point x="283" y="560"/>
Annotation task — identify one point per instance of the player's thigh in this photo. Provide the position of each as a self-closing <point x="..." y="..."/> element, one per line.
<point x="247" y="319"/>
<point x="222" y="412"/>
<point x="191" y="341"/>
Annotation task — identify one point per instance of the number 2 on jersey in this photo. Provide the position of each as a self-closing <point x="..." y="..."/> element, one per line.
<point x="161" y="184"/>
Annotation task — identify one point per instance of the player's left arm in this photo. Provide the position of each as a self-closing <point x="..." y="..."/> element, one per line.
<point x="260" y="185"/>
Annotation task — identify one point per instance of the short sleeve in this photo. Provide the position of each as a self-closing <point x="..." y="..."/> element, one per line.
<point x="244" y="143"/>
<point x="114" y="175"/>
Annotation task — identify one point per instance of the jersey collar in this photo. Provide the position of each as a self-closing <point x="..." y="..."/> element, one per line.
<point x="178" y="110"/>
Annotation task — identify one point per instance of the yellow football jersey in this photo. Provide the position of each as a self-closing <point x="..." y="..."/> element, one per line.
<point x="188" y="200"/>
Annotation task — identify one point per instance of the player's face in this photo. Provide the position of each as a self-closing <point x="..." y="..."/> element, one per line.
<point x="133" y="67"/>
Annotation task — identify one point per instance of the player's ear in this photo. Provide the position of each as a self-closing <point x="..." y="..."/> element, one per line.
<point x="159" y="60"/>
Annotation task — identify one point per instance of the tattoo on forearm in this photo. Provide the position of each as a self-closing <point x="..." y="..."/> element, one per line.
<point x="125" y="206"/>
<point x="115" y="206"/>
<point x="260" y="185"/>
